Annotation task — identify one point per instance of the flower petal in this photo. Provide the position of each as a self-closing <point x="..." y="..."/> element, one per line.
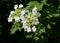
<point x="10" y="19"/>
<point x="20" y="6"/>
<point x="16" y="6"/>
<point x="33" y="28"/>
<point x="17" y="18"/>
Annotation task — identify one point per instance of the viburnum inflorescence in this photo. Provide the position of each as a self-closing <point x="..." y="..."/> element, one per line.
<point x="28" y="19"/>
<point x="31" y="19"/>
<point x="15" y="14"/>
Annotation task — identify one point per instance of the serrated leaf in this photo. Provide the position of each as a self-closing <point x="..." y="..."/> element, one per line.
<point x="35" y="4"/>
<point x="16" y="26"/>
<point x="13" y="30"/>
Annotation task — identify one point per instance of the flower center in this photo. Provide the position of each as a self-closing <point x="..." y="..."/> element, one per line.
<point x="16" y="13"/>
<point x="30" y="19"/>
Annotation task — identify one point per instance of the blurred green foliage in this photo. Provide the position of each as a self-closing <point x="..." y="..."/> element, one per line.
<point x="50" y="18"/>
<point x="35" y="4"/>
<point x="16" y="26"/>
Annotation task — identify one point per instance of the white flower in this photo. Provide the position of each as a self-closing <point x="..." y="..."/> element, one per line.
<point x="24" y="26"/>
<point x="20" y="6"/>
<point x="17" y="18"/>
<point x="34" y="10"/>
<point x="22" y="18"/>
<point x="28" y="29"/>
<point x="16" y="6"/>
<point x="22" y="12"/>
<point x="26" y="11"/>
<point x="36" y="21"/>
<point x="10" y="19"/>
<point x="33" y="28"/>
<point x="11" y="12"/>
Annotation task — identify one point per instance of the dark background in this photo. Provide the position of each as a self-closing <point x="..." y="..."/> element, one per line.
<point x="52" y="36"/>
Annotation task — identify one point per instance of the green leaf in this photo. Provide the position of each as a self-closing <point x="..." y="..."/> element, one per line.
<point x="56" y="15"/>
<point x="29" y="36"/>
<point x="36" y="38"/>
<point x="42" y="37"/>
<point x="49" y="26"/>
<point x="44" y="1"/>
<point x="35" y="4"/>
<point x="42" y="31"/>
<point x="16" y="26"/>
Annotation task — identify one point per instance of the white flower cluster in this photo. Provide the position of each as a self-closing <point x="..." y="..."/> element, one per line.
<point x="15" y="14"/>
<point x="28" y="19"/>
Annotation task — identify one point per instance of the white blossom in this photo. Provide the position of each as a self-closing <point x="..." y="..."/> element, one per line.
<point x="28" y="29"/>
<point x="10" y="19"/>
<point x="15" y="6"/>
<point x="20" y="6"/>
<point x="22" y="12"/>
<point x="11" y="12"/>
<point x="34" y="10"/>
<point x="27" y="18"/>
<point x="33" y="28"/>
<point x="17" y="18"/>
<point x="36" y="21"/>
<point x="22" y="18"/>
<point x="24" y="25"/>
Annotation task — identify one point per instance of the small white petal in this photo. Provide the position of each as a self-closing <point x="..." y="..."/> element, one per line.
<point x="16" y="6"/>
<point x="17" y="18"/>
<point x="36" y="21"/>
<point x="11" y="12"/>
<point x="20" y="6"/>
<point x="22" y="12"/>
<point x="22" y="18"/>
<point x="24" y="25"/>
<point x="23" y="21"/>
<point x="33" y="28"/>
<point x="26" y="11"/>
<point x="28" y="29"/>
<point x="34" y="10"/>
<point x="10" y="19"/>
<point x="25" y="28"/>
